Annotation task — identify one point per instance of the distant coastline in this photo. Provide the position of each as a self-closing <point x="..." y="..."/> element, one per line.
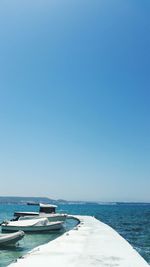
<point x="26" y="200"/>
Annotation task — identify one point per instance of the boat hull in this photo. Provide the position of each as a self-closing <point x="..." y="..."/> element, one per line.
<point x="11" y="239"/>
<point x="33" y="229"/>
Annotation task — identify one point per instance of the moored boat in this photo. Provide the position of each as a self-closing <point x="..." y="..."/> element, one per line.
<point x="11" y="239"/>
<point x="33" y="225"/>
<point x="45" y="211"/>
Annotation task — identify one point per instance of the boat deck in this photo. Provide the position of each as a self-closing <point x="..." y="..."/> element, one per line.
<point x="91" y="243"/>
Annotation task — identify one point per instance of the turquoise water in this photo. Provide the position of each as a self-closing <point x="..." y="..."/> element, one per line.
<point x="131" y="221"/>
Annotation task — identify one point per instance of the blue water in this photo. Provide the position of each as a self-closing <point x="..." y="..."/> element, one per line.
<point x="131" y="221"/>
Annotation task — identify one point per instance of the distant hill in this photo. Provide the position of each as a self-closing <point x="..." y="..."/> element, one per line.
<point x="24" y="200"/>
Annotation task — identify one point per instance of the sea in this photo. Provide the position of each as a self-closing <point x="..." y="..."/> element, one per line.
<point x="131" y="220"/>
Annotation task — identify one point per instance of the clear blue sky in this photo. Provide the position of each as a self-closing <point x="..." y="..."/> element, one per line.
<point x="75" y="99"/>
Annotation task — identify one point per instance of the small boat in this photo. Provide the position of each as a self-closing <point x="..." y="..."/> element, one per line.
<point x="11" y="239"/>
<point x="45" y="211"/>
<point x="33" y="225"/>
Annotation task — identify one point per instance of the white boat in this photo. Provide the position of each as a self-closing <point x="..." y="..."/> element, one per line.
<point x="46" y="211"/>
<point x="33" y="225"/>
<point x="11" y="239"/>
<point x="50" y="217"/>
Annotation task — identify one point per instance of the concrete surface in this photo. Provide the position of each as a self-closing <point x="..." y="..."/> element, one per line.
<point x="91" y="243"/>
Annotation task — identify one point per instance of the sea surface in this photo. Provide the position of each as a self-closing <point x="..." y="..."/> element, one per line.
<point x="132" y="221"/>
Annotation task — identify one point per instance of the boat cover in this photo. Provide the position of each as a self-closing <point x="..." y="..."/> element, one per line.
<point x="30" y="222"/>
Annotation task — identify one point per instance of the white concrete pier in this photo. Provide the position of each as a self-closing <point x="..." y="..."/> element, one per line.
<point x="91" y="243"/>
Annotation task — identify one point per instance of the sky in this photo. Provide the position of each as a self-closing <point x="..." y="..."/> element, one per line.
<point x="75" y="99"/>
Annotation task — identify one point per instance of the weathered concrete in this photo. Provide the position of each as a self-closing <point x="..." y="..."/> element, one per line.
<point x="91" y="243"/>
